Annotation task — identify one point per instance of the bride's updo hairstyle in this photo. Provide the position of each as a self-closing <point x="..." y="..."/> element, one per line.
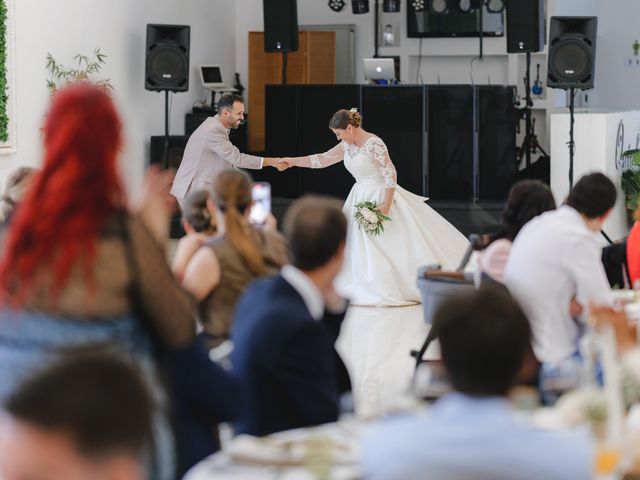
<point x="343" y="118"/>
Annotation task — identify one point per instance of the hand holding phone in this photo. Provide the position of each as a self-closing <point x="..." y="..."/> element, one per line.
<point x="261" y="209"/>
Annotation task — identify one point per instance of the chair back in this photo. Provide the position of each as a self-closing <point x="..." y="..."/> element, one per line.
<point x="436" y="286"/>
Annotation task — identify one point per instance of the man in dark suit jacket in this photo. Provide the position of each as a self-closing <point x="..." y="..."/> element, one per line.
<point x="285" y="328"/>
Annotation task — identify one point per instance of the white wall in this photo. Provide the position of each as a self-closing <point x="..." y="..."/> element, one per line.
<point x="616" y="86"/>
<point x="118" y="28"/>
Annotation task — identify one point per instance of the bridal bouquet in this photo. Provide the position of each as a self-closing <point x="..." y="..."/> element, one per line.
<point x="369" y="219"/>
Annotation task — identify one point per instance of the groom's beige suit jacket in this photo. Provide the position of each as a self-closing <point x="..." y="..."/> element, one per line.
<point x="208" y="152"/>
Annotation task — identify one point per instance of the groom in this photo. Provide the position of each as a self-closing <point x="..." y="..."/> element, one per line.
<point x="209" y="151"/>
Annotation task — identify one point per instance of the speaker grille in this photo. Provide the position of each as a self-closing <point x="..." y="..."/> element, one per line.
<point x="572" y="52"/>
<point x="167" y="58"/>
<point x="167" y="66"/>
<point x="570" y="60"/>
<point x="280" y="25"/>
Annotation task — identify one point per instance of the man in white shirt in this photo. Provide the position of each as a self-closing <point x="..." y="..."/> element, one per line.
<point x="209" y="151"/>
<point x="555" y="266"/>
<point x="285" y="328"/>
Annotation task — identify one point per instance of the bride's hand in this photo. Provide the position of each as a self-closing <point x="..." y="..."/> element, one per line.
<point x="384" y="209"/>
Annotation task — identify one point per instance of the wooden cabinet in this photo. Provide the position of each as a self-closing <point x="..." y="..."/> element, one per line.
<point x="314" y="62"/>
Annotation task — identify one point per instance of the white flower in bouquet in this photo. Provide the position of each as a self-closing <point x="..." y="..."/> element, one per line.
<point x="369" y="218"/>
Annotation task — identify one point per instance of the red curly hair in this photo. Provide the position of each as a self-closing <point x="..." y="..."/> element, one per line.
<point x="78" y="189"/>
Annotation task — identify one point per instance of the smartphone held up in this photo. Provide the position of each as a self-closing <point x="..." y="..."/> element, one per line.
<point x="261" y="209"/>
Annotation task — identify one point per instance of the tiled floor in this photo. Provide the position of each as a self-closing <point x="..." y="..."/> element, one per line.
<point x="375" y="345"/>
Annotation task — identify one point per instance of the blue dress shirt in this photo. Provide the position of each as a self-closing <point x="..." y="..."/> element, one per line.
<point x="465" y="438"/>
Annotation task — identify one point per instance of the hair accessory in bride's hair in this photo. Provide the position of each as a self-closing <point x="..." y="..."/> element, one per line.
<point x="353" y="110"/>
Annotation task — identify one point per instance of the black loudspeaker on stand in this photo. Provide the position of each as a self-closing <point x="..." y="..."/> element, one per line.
<point x="525" y="26"/>
<point x="167" y="67"/>
<point x="572" y="54"/>
<point x="281" y="29"/>
<point x="526" y="34"/>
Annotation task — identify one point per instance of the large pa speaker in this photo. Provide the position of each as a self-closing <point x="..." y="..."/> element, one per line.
<point x="572" y="52"/>
<point x="451" y="149"/>
<point x="167" y="58"/>
<point x="281" y="102"/>
<point x="315" y="136"/>
<point x="404" y="138"/>
<point x="496" y="124"/>
<point x="525" y="26"/>
<point x="280" y="26"/>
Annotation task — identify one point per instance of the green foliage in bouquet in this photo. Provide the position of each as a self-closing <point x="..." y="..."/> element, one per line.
<point x="369" y="219"/>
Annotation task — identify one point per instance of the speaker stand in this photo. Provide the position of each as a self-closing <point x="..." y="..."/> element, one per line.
<point x="284" y="67"/>
<point x="480" y="31"/>
<point x="165" y="152"/>
<point x="572" y="145"/>
<point x="527" y="112"/>
<point x="376" y="28"/>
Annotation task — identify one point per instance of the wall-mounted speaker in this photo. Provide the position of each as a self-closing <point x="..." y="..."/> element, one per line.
<point x="525" y="26"/>
<point x="572" y="52"/>
<point x="280" y="25"/>
<point x="167" y="58"/>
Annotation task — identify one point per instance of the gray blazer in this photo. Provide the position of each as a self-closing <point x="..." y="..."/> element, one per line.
<point x="207" y="153"/>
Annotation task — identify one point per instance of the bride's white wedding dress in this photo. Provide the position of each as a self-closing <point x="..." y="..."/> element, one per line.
<point x="382" y="270"/>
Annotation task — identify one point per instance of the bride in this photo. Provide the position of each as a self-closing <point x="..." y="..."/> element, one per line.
<point x="381" y="270"/>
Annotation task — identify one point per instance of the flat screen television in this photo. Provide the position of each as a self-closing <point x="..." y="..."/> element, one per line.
<point x="454" y="24"/>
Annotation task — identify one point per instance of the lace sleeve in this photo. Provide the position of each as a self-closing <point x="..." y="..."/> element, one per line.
<point x="377" y="150"/>
<point x="322" y="160"/>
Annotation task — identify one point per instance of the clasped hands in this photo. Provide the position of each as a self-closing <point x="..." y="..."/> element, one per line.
<point x="279" y="162"/>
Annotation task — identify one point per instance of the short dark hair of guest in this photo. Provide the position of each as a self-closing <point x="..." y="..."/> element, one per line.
<point x="527" y="199"/>
<point x="98" y="400"/>
<point x="315" y="228"/>
<point x="226" y="101"/>
<point x="593" y="195"/>
<point x="484" y="338"/>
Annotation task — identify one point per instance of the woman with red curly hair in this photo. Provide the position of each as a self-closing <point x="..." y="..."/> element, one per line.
<point x="77" y="269"/>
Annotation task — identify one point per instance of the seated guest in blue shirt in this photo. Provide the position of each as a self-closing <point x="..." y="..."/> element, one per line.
<point x="285" y="328"/>
<point x="471" y="433"/>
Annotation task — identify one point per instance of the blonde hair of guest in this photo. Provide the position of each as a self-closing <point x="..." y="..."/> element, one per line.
<point x="232" y="194"/>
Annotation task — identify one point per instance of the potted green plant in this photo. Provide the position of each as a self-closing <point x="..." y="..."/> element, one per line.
<point x="84" y="70"/>
<point x="631" y="182"/>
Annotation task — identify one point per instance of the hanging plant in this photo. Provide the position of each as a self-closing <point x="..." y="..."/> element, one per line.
<point x="82" y="72"/>
<point x="4" y="115"/>
<point x="631" y="183"/>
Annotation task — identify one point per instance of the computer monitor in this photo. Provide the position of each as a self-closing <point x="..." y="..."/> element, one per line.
<point x="379" y="69"/>
<point x="211" y="76"/>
